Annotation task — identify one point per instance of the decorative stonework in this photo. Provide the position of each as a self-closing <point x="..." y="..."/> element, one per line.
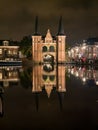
<point x="49" y="49"/>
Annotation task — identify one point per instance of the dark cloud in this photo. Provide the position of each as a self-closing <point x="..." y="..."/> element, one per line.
<point x="17" y="17"/>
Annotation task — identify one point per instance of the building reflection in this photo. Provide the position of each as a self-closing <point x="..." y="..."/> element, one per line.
<point x="48" y="77"/>
<point x="1" y="102"/>
<point x="9" y="76"/>
<point x="87" y="74"/>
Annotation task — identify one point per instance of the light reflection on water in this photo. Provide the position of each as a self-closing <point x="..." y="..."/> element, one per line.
<point x="48" y="86"/>
<point x="87" y="74"/>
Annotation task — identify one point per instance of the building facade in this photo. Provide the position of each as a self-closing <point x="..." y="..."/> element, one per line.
<point x="9" y="76"/>
<point x="88" y="75"/>
<point x="9" y="52"/>
<point x="85" y="52"/>
<point x="48" y="77"/>
<point x="49" y="48"/>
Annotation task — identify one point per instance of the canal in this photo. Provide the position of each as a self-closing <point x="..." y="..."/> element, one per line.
<point x="49" y="97"/>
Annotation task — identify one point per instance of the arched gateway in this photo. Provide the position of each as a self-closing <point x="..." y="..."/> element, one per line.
<point x="49" y="48"/>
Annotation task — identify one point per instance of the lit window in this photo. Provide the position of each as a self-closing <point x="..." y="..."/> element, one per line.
<point x="0" y="75"/>
<point x="0" y="51"/>
<point x="9" y="52"/>
<point x="60" y="87"/>
<point x="10" y="74"/>
<point x="14" y="52"/>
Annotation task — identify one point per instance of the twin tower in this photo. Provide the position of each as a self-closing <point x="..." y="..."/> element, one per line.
<point x="49" y="49"/>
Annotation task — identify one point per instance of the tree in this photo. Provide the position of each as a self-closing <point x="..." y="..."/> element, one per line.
<point x="25" y="46"/>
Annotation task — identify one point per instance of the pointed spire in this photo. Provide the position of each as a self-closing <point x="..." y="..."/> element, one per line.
<point x="36" y="26"/>
<point x="60" y="29"/>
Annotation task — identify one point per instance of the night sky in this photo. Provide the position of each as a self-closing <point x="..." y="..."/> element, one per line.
<point x="80" y="18"/>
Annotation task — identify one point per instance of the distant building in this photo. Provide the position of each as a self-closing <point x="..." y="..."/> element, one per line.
<point x="9" y="76"/>
<point x="9" y="52"/>
<point x="49" y="48"/>
<point x="88" y="75"/>
<point x="87" y="51"/>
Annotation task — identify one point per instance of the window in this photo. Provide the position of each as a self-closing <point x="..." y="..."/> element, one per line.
<point x="0" y="51"/>
<point x="0" y="75"/>
<point x="44" y="49"/>
<point x="45" y="77"/>
<point x="52" y="77"/>
<point x="9" y="51"/>
<point x="51" y="49"/>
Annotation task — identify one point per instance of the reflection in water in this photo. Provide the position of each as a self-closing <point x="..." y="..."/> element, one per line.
<point x="87" y="74"/>
<point x="47" y="88"/>
<point x="48" y="77"/>
<point x="9" y="76"/>
<point x="43" y="78"/>
<point x="1" y="106"/>
<point x="1" y="102"/>
<point x="26" y="78"/>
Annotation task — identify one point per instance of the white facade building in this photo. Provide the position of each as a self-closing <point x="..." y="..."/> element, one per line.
<point x="85" y="52"/>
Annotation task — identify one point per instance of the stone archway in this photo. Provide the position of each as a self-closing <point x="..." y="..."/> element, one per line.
<point x="48" y="68"/>
<point x="48" y="58"/>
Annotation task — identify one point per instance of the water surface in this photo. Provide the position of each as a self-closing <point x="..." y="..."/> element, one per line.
<point x="50" y="97"/>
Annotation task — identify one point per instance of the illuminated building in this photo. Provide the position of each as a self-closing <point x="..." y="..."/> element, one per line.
<point x="49" y="48"/>
<point x="8" y="76"/>
<point x="85" y="52"/>
<point x="48" y="78"/>
<point x="9" y="52"/>
<point x="88" y="75"/>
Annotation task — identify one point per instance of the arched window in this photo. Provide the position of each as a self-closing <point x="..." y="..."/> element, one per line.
<point x="51" y="49"/>
<point x="51" y="77"/>
<point x="45" y="77"/>
<point x="44" y="49"/>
